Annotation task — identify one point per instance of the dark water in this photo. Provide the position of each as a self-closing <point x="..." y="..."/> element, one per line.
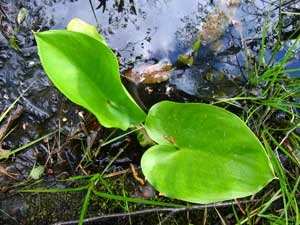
<point x="148" y="30"/>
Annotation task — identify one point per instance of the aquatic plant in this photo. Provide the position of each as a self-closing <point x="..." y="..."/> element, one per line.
<point x="203" y="154"/>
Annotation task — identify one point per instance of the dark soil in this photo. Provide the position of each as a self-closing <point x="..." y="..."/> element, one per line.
<point x="136" y="33"/>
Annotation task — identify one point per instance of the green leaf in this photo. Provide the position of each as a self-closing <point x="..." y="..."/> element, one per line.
<point x="13" y="42"/>
<point x="205" y="154"/>
<point x="37" y="172"/>
<point x="79" y="25"/>
<point x="186" y="59"/>
<point x="86" y="71"/>
<point x="196" y="45"/>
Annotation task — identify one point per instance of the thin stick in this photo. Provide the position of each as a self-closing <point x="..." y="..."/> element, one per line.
<point x="92" y="7"/>
<point x="149" y="211"/>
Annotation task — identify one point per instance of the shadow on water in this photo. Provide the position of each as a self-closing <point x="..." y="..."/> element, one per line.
<point x="139" y="32"/>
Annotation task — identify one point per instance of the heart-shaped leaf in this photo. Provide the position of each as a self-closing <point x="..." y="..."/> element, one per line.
<point x="205" y="154"/>
<point x="84" y="69"/>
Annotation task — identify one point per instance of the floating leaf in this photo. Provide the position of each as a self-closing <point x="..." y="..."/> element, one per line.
<point x="86" y="71"/>
<point x="205" y="154"/>
<point x="186" y="59"/>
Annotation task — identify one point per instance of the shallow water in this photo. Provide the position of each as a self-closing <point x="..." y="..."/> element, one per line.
<point x="148" y="31"/>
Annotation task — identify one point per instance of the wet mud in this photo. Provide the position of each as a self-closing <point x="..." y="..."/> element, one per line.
<point x="139" y="32"/>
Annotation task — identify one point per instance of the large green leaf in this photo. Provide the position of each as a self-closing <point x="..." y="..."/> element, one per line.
<point x="86" y="71"/>
<point x="79" y="25"/>
<point x="205" y="154"/>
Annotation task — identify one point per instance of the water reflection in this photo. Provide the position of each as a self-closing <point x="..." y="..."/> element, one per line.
<point x="157" y="30"/>
<point x="160" y="29"/>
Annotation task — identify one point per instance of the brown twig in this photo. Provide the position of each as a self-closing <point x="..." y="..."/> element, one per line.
<point x="135" y="175"/>
<point x="149" y="211"/>
<point x="116" y="173"/>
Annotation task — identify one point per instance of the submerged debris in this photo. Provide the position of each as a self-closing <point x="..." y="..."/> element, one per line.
<point x="149" y="73"/>
<point x="21" y="15"/>
<point x="214" y="27"/>
<point x="217" y="22"/>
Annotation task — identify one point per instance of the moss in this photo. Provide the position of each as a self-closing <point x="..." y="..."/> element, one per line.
<point x="48" y="208"/>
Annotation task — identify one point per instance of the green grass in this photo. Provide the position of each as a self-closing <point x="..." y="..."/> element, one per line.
<point x="93" y="182"/>
<point x="278" y="96"/>
<point x="273" y="114"/>
<point x="91" y="186"/>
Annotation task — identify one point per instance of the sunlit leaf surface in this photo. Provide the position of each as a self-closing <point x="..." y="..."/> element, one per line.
<point x="204" y="154"/>
<point x="87" y="72"/>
